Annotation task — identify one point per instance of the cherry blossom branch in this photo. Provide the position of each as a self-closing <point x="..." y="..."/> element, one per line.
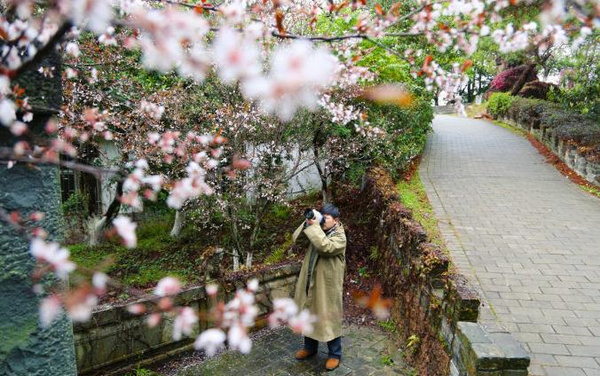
<point x="410" y="14"/>
<point x="7" y="153"/>
<point x="388" y="49"/>
<point x="208" y="7"/>
<point x="325" y="38"/>
<point x="42" y="52"/>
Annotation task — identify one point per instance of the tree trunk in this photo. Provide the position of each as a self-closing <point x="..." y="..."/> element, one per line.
<point x="236" y="260"/>
<point x="249" y="260"/>
<point x="178" y="224"/>
<point x="115" y="205"/>
<point x="322" y="176"/>
<point x="94" y="227"/>
<point x="97" y="225"/>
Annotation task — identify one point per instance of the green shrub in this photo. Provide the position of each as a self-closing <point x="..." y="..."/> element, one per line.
<point x="406" y="133"/>
<point x="499" y="104"/>
<point x="566" y="124"/>
<point x="279" y="253"/>
<point x="281" y="212"/>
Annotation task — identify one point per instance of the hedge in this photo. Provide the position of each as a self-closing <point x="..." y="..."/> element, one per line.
<point x="567" y="125"/>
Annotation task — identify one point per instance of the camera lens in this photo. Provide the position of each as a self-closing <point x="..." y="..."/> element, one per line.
<point x="309" y="214"/>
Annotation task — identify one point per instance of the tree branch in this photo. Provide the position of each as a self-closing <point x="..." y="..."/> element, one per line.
<point x="39" y="56"/>
<point x="7" y="154"/>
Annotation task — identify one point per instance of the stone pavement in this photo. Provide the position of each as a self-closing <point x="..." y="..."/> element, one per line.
<point x="528" y="238"/>
<point x="366" y="351"/>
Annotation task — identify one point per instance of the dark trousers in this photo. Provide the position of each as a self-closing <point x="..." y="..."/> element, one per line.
<point x="334" y="346"/>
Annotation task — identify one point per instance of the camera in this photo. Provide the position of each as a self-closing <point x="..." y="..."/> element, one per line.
<point x="314" y="214"/>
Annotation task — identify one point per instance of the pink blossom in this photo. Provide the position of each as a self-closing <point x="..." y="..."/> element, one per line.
<point x="234" y="12"/>
<point x="302" y="323"/>
<point x="136" y="309"/>
<point x="153" y="138"/>
<point x="28" y="117"/>
<point x="293" y="82"/>
<point x="95" y="15"/>
<point x="190" y="187"/>
<point x="253" y="285"/>
<point x="18" y="128"/>
<point x="126" y="229"/>
<point x="37" y="216"/>
<point x="99" y="281"/>
<point x="81" y="311"/>
<point x="211" y="341"/>
<point x="212" y="289"/>
<point x="235" y="56"/>
<point x="51" y="253"/>
<point x="283" y="310"/>
<point x="72" y="49"/>
<point x="7" y="112"/>
<point x="167" y="286"/>
<point x="153" y="110"/>
<point x="93" y="75"/>
<point x="238" y="339"/>
<point x="50" y="308"/>
<point x="184" y="323"/>
<point x="70" y="73"/>
<point x="153" y="319"/>
<point x="4" y="85"/>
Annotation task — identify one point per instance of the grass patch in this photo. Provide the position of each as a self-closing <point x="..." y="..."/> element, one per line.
<point x="388" y="325"/>
<point x="280" y="252"/>
<point x="591" y="190"/>
<point x="157" y="255"/>
<point x="474" y="110"/>
<point x="515" y="130"/>
<point x="413" y="196"/>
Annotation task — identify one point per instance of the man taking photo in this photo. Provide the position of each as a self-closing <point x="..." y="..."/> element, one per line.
<point x="321" y="281"/>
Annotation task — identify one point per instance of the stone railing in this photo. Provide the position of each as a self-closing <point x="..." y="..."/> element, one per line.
<point x="434" y="308"/>
<point x="585" y="163"/>
<point x="115" y="340"/>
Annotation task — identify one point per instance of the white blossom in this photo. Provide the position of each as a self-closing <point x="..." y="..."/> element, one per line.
<point x="167" y="286"/>
<point x="211" y="341"/>
<point x="184" y="323"/>
<point x="7" y="112"/>
<point x="126" y="229"/>
<point x="50" y="308"/>
<point x="51" y="253"/>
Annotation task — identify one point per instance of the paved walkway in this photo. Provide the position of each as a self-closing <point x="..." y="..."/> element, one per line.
<point x="529" y="239"/>
<point x="366" y="352"/>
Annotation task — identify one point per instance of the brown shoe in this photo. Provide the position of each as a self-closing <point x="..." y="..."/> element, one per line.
<point x="332" y="364"/>
<point x="304" y="354"/>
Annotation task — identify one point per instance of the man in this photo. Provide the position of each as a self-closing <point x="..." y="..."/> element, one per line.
<point x="321" y="282"/>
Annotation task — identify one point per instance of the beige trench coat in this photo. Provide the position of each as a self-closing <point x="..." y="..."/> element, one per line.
<point x="325" y="289"/>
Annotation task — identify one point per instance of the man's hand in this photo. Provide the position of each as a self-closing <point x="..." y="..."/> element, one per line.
<point x="310" y="222"/>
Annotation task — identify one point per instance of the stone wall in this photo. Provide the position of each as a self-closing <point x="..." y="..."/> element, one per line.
<point x="27" y="348"/>
<point x="435" y="308"/>
<point x="115" y="340"/>
<point x="585" y="161"/>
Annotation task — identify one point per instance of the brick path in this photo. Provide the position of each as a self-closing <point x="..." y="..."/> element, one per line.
<point x="528" y="238"/>
<point x="366" y="352"/>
